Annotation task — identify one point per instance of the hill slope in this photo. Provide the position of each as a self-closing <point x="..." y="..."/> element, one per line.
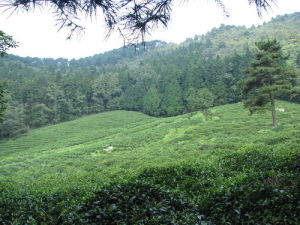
<point x="156" y="80"/>
<point x="227" y="40"/>
<point x="176" y="169"/>
<point x="78" y="150"/>
<point x="58" y="174"/>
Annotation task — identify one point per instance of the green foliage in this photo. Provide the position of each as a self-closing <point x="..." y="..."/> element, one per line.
<point x="269" y="76"/>
<point x="172" y="103"/>
<point x="194" y="180"/>
<point x="40" y="115"/>
<point x="200" y="100"/>
<point x="2" y="103"/>
<point x="74" y="88"/>
<point x="253" y="186"/>
<point x="136" y="202"/>
<point x="14" y="120"/>
<point x="152" y="102"/>
<point x="298" y="59"/>
<point x="106" y="92"/>
<point x="25" y="208"/>
<point x="258" y="159"/>
<point x="255" y="201"/>
<point x="160" y="170"/>
<point x="130" y="168"/>
<point x="132" y="97"/>
<point x="6" y="42"/>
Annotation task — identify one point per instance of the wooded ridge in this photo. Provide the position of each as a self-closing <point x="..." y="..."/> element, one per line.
<point x="157" y="79"/>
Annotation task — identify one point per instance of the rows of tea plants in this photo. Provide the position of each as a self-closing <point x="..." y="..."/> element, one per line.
<point x="127" y="168"/>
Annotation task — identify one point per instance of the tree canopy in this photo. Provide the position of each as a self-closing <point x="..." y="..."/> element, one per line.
<point x="133" y="19"/>
<point x="269" y="76"/>
<point x="157" y="81"/>
<point x="6" y="42"/>
<point x="201" y="100"/>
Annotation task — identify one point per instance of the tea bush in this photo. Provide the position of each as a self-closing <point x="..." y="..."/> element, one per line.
<point x="136" y="202"/>
<point x="231" y="170"/>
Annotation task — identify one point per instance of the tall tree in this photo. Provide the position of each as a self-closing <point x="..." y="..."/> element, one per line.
<point x="13" y="119"/>
<point x="107" y="91"/>
<point x="6" y="42"/>
<point x="152" y="101"/>
<point x="40" y="115"/>
<point x="269" y="76"/>
<point x="172" y="102"/>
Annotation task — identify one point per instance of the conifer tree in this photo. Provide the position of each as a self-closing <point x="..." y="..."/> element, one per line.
<point x="269" y="76"/>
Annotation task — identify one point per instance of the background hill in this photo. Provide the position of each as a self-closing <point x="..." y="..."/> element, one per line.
<point x="156" y="79"/>
<point x="227" y="40"/>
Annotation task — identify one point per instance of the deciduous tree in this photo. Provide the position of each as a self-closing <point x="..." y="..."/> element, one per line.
<point x="200" y="100"/>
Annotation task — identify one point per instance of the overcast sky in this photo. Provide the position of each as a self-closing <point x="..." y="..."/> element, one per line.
<point x="38" y="37"/>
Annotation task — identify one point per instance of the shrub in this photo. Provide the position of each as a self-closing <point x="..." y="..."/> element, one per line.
<point x="136" y="202"/>
<point x="255" y="201"/>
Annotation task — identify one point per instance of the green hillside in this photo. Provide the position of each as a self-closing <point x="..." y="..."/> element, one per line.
<point x="156" y="79"/>
<point x="227" y="40"/>
<point x="59" y="174"/>
<point x="112" y="139"/>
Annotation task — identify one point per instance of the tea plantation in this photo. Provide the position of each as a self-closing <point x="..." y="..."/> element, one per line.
<point x="129" y="168"/>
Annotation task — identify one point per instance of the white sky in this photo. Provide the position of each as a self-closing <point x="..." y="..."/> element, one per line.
<point x="38" y="37"/>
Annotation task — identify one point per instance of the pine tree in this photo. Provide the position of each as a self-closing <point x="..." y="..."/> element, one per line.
<point x="269" y="76"/>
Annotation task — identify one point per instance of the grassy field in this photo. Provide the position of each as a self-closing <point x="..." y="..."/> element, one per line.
<point x="89" y="153"/>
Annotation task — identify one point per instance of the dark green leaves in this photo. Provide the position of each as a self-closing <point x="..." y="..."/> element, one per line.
<point x="6" y="42"/>
<point x="269" y="76"/>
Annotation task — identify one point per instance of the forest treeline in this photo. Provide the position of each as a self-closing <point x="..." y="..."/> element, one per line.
<point x="157" y="79"/>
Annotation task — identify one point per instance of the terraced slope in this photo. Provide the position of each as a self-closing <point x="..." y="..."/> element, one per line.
<point x="99" y="148"/>
<point x="128" y="168"/>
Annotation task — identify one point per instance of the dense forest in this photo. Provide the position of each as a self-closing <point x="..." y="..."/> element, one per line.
<point x="157" y="78"/>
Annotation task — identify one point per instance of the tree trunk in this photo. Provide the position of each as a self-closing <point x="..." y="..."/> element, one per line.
<point x="274" y="119"/>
